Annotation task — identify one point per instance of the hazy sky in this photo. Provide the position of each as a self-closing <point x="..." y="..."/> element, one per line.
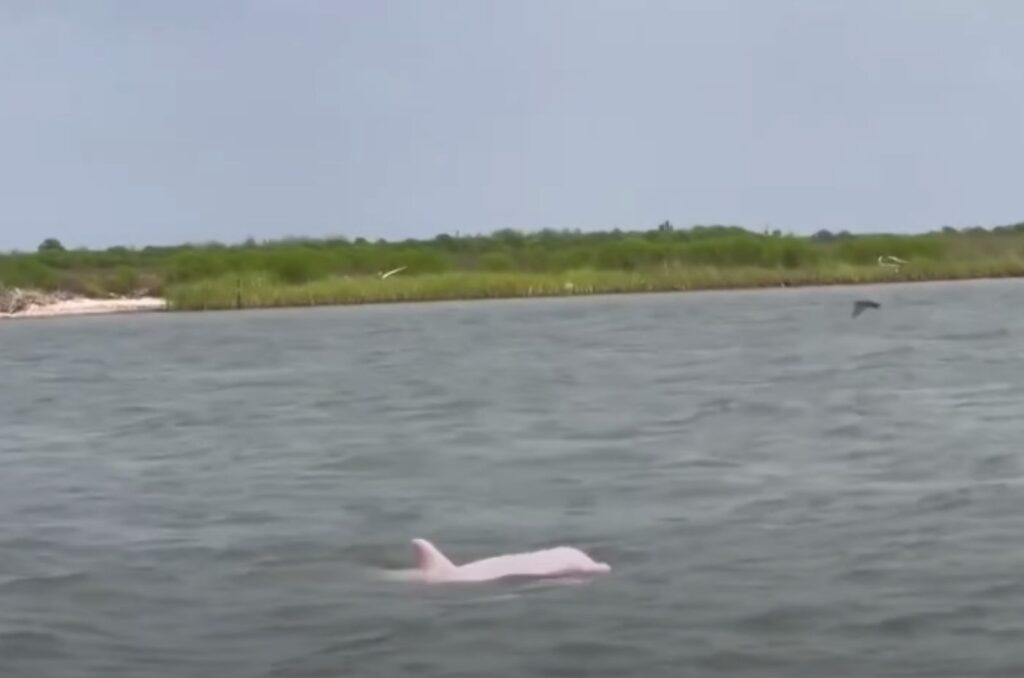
<point x="145" y="122"/>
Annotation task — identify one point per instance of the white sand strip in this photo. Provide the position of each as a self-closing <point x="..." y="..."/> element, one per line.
<point x="83" y="306"/>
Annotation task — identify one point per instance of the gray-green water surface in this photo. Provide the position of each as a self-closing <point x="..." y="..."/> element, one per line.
<point x="781" y="490"/>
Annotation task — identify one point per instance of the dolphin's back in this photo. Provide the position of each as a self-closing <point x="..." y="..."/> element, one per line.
<point x="434" y="566"/>
<point x="543" y="563"/>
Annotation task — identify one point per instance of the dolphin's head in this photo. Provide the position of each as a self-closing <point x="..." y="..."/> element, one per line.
<point x="594" y="566"/>
<point x="580" y="561"/>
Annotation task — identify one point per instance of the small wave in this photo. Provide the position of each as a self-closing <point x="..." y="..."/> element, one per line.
<point x="29" y="645"/>
<point x="27" y="543"/>
<point x="362" y="639"/>
<point x="997" y="467"/>
<point x="865" y="454"/>
<point x="705" y="409"/>
<point x="782" y="618"/>
<point x="371" y="554"/>
<point x="863" y="575"/>
<point x="946" y="500"/>
<point x="893" y="351"/>
<point x="921" y="622"/>
<point x="40" y="583"/>
<point x="975" y="336"/>
<point x="707" y="462"/>
<point x="845" y="431"/>
<point x="739" y="661"/>
<point x="762" y="506"/>
<point x="1001" y="590"/>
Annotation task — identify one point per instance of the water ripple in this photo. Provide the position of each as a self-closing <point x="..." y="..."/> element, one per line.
<point x="780" y="491"/>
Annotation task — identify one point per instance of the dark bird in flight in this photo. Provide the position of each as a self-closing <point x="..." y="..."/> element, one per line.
<point x="861" y="305"/>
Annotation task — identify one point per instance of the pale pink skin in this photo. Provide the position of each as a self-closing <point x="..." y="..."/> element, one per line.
<point x="434" y="567"/>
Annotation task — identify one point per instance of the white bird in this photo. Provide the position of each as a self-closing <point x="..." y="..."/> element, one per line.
<point x="891" y="261"/>
<point x="392" y="272"/>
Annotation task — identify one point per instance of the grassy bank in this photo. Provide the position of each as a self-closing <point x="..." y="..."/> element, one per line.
<point x="508" y="264"/>
<point x="258" y="291"/>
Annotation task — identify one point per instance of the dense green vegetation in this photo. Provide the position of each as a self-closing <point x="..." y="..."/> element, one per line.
<point x="508" y="263"/>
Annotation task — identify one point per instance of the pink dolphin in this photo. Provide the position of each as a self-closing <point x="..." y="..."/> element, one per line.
<point x="434" y="567"/>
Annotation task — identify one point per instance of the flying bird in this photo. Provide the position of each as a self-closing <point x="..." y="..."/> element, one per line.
<point x="384" y="276"/>
<point x="861" y="305"/>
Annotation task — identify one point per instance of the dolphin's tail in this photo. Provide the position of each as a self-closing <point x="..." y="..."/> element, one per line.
<point x="429" y="558"/>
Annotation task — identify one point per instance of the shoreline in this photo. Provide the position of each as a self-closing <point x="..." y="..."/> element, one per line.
<point x="252" y="294"/>
<point x="77" y="306"/>
<point x="336" y="271"/>
<point x="57" y="307"/>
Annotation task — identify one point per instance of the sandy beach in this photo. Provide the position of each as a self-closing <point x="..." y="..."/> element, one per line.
<point x="85" y="306"/>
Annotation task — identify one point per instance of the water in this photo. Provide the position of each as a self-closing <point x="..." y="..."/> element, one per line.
<point x="781" y="490"/>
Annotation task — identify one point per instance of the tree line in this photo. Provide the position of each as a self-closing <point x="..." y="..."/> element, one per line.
<point x="123" y="270"/>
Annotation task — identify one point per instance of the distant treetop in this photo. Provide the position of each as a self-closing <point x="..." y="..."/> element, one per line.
<point x="51" y="245"/>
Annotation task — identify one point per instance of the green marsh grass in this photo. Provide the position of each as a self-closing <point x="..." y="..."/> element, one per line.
<point x="508" y="264"/>
<point x="259" y="291"/>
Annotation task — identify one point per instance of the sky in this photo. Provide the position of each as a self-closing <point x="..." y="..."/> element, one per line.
<point x="137" y="122"/>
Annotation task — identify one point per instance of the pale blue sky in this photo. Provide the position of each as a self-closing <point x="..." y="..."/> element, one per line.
<point x="146" y="122"/>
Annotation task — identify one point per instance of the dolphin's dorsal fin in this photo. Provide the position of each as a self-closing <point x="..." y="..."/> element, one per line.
<point x="429" y="558"/>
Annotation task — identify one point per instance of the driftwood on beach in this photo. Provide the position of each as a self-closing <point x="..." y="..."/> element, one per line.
<point x="15" y="300"/>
